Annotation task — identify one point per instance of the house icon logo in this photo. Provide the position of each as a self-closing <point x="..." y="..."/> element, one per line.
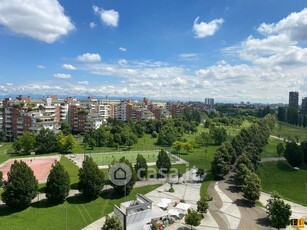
<point x="120" y="174"/>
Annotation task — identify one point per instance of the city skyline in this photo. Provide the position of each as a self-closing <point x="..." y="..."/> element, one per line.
<point x="172" y="51"/>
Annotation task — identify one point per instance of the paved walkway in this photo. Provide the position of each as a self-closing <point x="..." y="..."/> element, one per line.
<point x="190" y="192"/>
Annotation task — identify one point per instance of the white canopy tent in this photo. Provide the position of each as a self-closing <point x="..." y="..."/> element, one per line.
<point x="166" y="200"/>
<point x="183" y="206"/>
<point x="173" y="212"/>
<point x="162" y="205"/>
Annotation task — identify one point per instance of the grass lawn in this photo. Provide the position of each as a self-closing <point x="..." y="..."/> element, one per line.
<point x="71" y="168"/>
<point x="288" y="131"/>
<point x="270" y="149"/>
<point x="5" y="150"/>
<point x="289" y="183"/>
<point x="144" y="143"/>
<point x="80" y="212"/>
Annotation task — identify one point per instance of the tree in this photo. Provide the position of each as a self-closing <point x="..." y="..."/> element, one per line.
<point x="129" y="143"/>
<point x="278" y="211"/>
<point x="304" y="149"/>
<point x="200" y="172"/>
<point x="178" y="145"/>
<point x="219" y="166"/>
<point x="66" y="143"/>
<point x="24" y="143"/>
<point x="1" y="179"/>
<point x="58" y="184"/>
<point x="192" y="218"/>
<point x="188" y="147"/>
<point x="21" y="186"/>
<point x="280" y="149"/>
<point x="241" y="172"/>
<point x="2" y="136"/>
<point x="203" y="139"/>
<point x="91" y="179"/>
<point x="141" y="167"/>
<point x="219" y="135"/>
<point x="112" y="223"/>
<point x="294" y="154"/>
<point x="163" y="162"/>
<point x="202" y="205"/>
<point x="252" y="187"/>
<point x="46" y="141"/>
<point x="70" y="143"/>
<point x="65" y="128"/>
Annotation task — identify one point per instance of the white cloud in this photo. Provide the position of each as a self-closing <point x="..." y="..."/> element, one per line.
<point x="83" y="82"/>
<point x="9" y="84"/>
<point x="294" y="26"/>
<point x="122" y="62"/>
<point x="89" y="57"/>
<point x="189" y="56"/>
<point x="108" y="17"/>
<point x="204" y="29"/>
<point x="93" y="25"/>
<point x="68" y="67"/>
<point x="280" y="45"/>
<point x="122" y="49"/>
<point x="43" y="20"/>
<point x="62" y="75"/>
<point x="41" y="67"/>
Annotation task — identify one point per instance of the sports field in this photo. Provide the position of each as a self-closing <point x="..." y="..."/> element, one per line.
<point x="106" y="159"/>
<point x="40" y="166"/>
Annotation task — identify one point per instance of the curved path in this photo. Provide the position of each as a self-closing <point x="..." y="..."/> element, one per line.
<point x="233" y="211"/>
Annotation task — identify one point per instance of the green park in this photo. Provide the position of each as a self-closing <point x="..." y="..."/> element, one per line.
<point x="199" y="145"/>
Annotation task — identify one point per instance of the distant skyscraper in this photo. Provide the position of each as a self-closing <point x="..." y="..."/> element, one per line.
<point x="209" y="101"/>
<point x="293" y="100"/>
<point x="304" y="106"/>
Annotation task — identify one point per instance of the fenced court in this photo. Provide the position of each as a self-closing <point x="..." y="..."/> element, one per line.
<point x="41" y="166"/>
<point x="107" y="159"/>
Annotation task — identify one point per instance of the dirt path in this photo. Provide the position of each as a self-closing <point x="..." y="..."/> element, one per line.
<point x="252" y="217"/>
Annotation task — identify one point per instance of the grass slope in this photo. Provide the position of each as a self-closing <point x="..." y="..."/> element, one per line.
<point x="288" y="131"/>
<point x="270" y="149"/>
<point x="281" y="177"/>
<point x="80" y="212"/>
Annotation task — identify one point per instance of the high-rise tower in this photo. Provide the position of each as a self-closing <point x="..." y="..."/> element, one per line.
<point x="293" y="100"/>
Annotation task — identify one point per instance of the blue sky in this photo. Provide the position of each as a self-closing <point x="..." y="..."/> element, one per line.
<point x="233" y="51"/>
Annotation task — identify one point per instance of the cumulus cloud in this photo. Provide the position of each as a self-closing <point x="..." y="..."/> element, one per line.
<point x="280" y="44"/>
<point x="89" y="57"/>
<point x="40" y="66"/>
<point x="122" y="49"/>
<point x="9" y="84"/>
<point x="108" y="17"/>
<point x="62" y="75"/>
<point x="93" y="25"/>
<point x="68" y="67"/>
<point x="42" y="20"/>
<point x="204" y="29"/>
<point x="294" y="26"/>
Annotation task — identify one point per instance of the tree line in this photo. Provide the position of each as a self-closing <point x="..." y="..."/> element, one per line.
<point x="243" y="152"/>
